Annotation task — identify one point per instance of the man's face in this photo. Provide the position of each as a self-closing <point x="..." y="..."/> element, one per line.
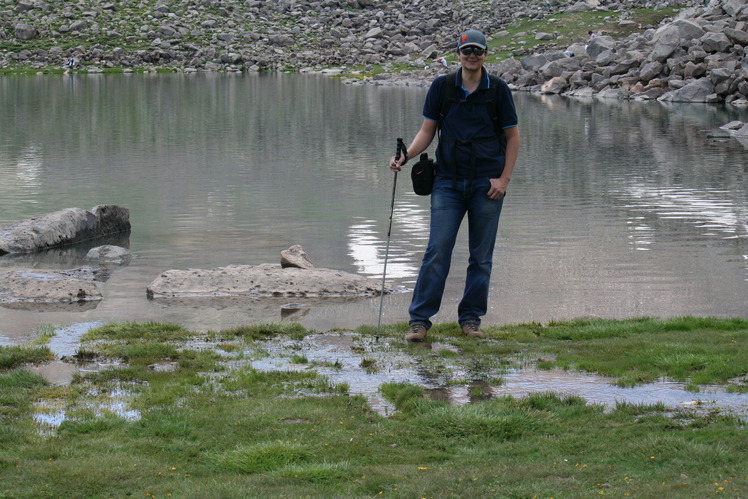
<point x="472" y="57"/>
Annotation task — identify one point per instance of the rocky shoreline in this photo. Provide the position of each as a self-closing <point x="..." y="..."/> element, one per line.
<point x="697" y="56"/>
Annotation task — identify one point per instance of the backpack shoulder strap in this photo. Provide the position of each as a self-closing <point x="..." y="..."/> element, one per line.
<point x="447" y="97"/>
<point x="493" y="104"/>
<point x="493" y="107"/>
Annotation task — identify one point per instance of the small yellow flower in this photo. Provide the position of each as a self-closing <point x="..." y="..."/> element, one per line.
<point x="422" y="468"/>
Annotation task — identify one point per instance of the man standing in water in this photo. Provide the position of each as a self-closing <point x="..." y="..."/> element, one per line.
<point x="477" y="150"/>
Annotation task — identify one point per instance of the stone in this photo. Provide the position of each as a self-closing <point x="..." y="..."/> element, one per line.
<point x="64" y="227"/>
<point x="743" y="132"/>
<point x="697" y="91"/>
<point x="295" y="256"/>
<point x="650" y="70"/>
<point x="555" y="85"/>
<point x="24" y="31"/>
<point x="79" y="25"/>
<point x="715" y="42"/>
<point x="733" y="125"/>
<point x="41" y="286"/>
<point x="265" y="280"/>
<point x="599" y="45"/>
<point x="737" y="36"/>
<point x="534" y="62"/>
<point x="109" y="254"/>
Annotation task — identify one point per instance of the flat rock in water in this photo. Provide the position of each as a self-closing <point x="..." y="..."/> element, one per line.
<point x="39" y="286"/>
<point x="68" y="226"/>
<point x="261" y="281"/>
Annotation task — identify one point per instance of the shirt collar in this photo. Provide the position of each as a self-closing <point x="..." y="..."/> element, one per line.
<point x="485" y="81"/>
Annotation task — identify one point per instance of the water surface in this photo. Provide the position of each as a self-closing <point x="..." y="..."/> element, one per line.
<point x="616" y="209"/>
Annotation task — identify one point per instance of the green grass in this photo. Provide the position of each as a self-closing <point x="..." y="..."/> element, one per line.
<point x="210" y="428"/>
<point x="573" y="28"/>
<point x="15" y="356"/>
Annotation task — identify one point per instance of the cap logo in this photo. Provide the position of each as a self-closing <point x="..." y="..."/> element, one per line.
<point x="464" y="38"/>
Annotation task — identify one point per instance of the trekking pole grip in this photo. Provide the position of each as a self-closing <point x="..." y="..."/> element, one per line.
<point x="401" y="149"/>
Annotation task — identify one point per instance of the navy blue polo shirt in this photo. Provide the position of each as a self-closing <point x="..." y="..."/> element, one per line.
<point x="469" y="119"/>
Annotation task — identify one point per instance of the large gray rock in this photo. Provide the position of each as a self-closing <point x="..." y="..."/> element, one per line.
<point x="555" y="85"/>
<point x="697" y="91"/>
<point x="715" y="42"/>
<point x="737" y="36"/>
<point x="60" y="228"/>
<point x="600" y="44"/>
<point x="24" y="31"/>
<point x="260" y="281"/>
<point x="40" y="286"/>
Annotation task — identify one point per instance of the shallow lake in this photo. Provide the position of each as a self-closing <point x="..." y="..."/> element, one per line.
<point x="616" y="209"/>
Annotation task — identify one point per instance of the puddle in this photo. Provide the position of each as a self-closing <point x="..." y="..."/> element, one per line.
<point x="64" y="345"/>
<point x="51" y="413"/>
<point x="597" y="389"/>
<point x="358" y="361"/>
<point x="364" y="365"/>
<point x="396" y="366"/>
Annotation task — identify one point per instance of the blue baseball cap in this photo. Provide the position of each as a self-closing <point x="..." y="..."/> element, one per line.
<point x="472" y="37"/>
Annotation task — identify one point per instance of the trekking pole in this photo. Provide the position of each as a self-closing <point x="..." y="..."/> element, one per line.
<point x="400" y="148"/>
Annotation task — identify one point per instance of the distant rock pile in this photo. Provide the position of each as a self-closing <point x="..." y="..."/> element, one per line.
<point x="258" y="34"/>
<point x="697" y="57"/>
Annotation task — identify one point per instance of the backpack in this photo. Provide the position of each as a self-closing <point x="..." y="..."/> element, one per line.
<point x="492" y="101"/>
<point x="451" y="96"/>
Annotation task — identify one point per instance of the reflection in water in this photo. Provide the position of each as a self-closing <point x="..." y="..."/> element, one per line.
<point x="28" y="166"/>
<point x="368" y="247"/>
<point x="232" y="169"/>
<point x="713" y="214"/>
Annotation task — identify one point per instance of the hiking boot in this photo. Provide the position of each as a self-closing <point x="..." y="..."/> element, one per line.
<point x="472" y="330"/>
<point x="417" y="333"/>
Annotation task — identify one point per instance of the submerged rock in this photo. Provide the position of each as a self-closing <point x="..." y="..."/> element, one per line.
<point x="60" y="228"/>
<point x="109" y="254"/>
<point x="261" y="281"/>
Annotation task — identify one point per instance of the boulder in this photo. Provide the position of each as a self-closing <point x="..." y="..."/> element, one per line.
<point x="555" y="85"/>
<point x="24" y="31"/>
<point x="715" y="42"/>
<point x="697" y="91"/>
<point x="64" y="227"/>
<point x="600" y="44"/>
<point x="40" y="286"/>
<point x="265" y="280"/>
<point x="737" y="36"/>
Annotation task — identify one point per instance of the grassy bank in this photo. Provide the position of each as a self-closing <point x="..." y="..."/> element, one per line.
<point x="200" y="421"/>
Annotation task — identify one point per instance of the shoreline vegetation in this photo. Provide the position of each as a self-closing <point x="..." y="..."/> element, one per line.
<point x="175" y="413"/>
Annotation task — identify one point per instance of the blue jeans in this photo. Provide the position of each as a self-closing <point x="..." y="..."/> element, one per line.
<point x="448" y="207"/>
